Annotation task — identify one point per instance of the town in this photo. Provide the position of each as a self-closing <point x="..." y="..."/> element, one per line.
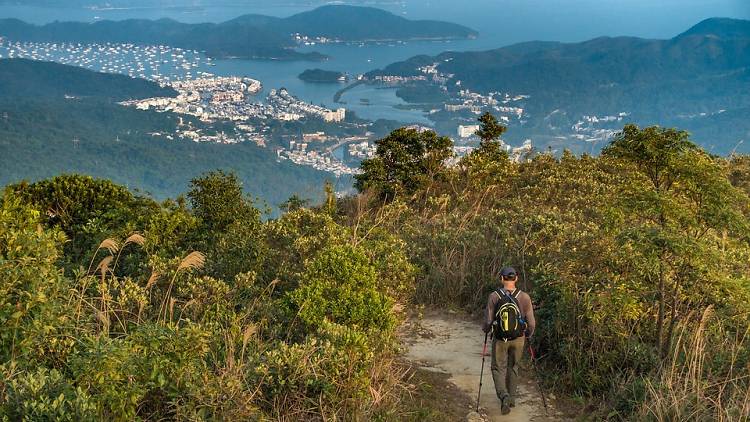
<point x="211" y="98"/>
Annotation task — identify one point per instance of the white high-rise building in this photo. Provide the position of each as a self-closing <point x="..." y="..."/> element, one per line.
<point x="467" y="131"/>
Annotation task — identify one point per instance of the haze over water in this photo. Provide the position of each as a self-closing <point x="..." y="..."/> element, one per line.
<point x="499" y="22"/>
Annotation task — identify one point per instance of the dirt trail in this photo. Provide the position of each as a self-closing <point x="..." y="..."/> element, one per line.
<point x="449" y="344"/>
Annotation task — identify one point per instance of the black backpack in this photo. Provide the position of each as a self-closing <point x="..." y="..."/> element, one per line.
<point x="509" y="321"/>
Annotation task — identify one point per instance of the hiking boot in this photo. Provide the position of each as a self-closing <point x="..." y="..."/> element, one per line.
<point x="505" y="405"/>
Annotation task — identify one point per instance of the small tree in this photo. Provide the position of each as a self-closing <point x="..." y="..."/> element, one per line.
<point x="489" y="132"/>
<point x="77" y="203"/>
<point x="217" y="199"/>
<point x="230" y="227"/>
<point x="294" y="203"/>
<point x="405" y="161"/>
<point x="330" y="205"/>
<point x="489" y="164"/>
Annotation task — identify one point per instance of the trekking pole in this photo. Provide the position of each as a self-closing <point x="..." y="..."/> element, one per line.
<point x="481" y="374"/>
<point x="538" y="379"/>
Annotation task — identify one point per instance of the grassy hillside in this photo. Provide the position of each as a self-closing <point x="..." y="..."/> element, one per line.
<point x="636" y="259"/>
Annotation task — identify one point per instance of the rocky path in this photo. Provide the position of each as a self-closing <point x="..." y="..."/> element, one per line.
<point x="453" y="345"/>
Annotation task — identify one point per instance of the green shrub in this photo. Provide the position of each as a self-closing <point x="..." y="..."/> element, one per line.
<point x="149" y="373"/>
<point x="31" y="321"/>
<point x="44" y="395"/>
<point x="340" y="285"/>
<point x="327" y="374"/>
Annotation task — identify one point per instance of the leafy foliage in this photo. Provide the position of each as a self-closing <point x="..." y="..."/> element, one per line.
<point x="148" y="328"/>
<point x="405" y="161"/>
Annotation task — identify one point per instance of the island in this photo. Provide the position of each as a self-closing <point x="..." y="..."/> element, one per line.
<point x="322" y="76"/>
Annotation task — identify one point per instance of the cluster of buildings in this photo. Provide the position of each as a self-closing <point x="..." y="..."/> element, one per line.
<point x="229" y="98"/>
<point x="500" y="103"/>
<point x="186" y="131"/>
<point x="216" y="86"/>
<point x="396" y="80"/>
<point x="597" y="129"/>
<point x="504" y="105"/>
<point x="158" y="63"/>
<point x="299" y="154"/>
<point x="295" y="109"/>
<point x="432" y="72"/>
<point x="362" y="150"/>
<point x="302" y="39"/>
<point x="467" y="131"/>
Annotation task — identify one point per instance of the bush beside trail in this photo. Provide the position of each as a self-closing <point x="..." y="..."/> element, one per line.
<point x="289" y="319"/>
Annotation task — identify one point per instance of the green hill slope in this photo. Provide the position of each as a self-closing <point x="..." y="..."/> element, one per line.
<point x="38" y="126"/>
<point x="36" y="79"/>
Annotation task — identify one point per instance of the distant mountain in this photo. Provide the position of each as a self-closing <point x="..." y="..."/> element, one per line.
<point x="720" y="27"/>
<point x="685" y="81"/>
<point x="249" y="36"/>
<point x="60" y="119"/>
<point x="354" y="23"/>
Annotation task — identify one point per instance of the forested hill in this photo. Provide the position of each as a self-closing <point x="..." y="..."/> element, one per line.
<point x="354" y="23"/>
<point x="698" y="80"/>
<point x="29" y="78"/>
<point x="249" y="36"/>
<point x="708" y="50"/>
<point x="61" y="119"/>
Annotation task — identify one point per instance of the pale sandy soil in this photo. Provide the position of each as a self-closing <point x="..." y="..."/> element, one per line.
<point x="451" y="344"/>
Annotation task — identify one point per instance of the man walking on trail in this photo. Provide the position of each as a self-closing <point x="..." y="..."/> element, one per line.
<point x="510" y="317"/>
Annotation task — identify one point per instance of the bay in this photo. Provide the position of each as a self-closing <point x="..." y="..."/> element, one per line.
<point x="499" y="22"/>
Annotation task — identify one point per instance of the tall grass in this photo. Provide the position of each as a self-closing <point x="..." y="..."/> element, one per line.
<point x="707" y="379"/>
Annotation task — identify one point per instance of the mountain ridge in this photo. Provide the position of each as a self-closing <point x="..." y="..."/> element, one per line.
<point x="249" y="36"/>
<point x="698" y="72"/>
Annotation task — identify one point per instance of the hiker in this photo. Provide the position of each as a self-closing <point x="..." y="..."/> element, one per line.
<point x="510" y="318"/>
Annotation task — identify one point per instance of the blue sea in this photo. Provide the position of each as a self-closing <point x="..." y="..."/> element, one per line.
<point x="499" y="22"/>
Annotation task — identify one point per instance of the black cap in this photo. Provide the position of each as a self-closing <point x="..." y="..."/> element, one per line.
<point x="508" y="272"/>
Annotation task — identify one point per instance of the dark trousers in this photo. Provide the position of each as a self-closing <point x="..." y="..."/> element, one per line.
<point x="506" y="356"/>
